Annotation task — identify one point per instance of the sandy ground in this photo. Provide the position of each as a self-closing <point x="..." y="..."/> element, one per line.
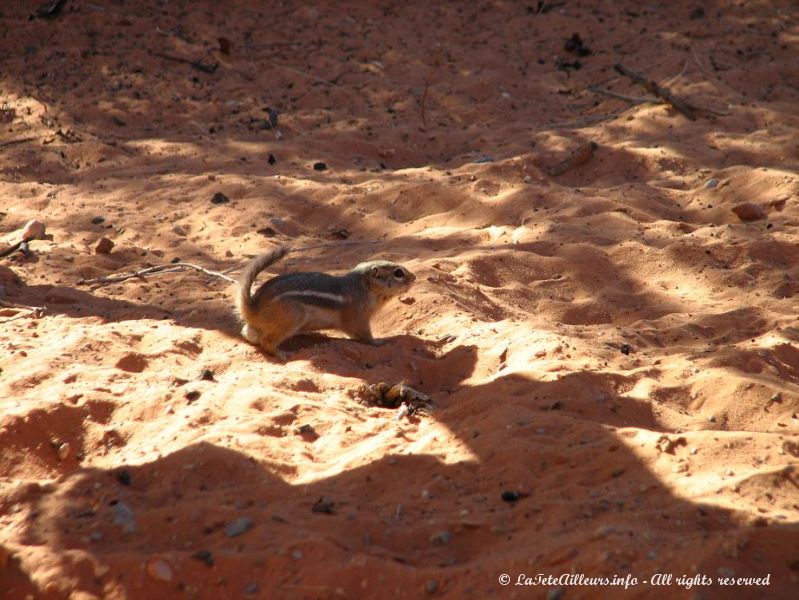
<point x="608" y="343"/>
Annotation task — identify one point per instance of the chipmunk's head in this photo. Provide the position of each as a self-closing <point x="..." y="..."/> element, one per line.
<point x="385" y="278"/>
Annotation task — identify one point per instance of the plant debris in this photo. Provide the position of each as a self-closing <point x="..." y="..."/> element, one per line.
<point x="385" y="395"/>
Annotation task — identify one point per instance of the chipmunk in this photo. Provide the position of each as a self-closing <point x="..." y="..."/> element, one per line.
<point x="294" y="303"/>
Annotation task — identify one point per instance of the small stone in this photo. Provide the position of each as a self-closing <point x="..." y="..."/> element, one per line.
<point x="625" y="349"/>
<point x="207" y="375"/>
<point x="123" y="517"/>
<point x="555" y="594"/>
<point x="271" y="160"/>
<point x="123" y="477"/>
<point x="307" y="431"/>
<point x="64" y="451"/>
<point x="160" y="570"/>
<point x="297" y="554"/>
<point x="238" y="526"/>
<point x="694" y="450"/>
<point x="319" y="166"/>
<point x="440" y="538"/>
<point x="97" y="220"/>
<point x="711" y="419"/>
<point x="251" y="589"/>
<point x="711" y="183"/>
<point x="730" y="473"/>
<point x="324" y="506"/>
<point x="431" y="586"/>
<point x="103" y="246"/>
<point x="510" y="496"/>
<point x="219" y="198"/>
<point x="178" y="230"/>
<point x="204" y="556"/>
<point x="527" y="179"/>
<point x="191" y="396"/>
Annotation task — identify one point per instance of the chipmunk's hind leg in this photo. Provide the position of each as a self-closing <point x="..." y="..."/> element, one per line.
<point x="284" y="322"/>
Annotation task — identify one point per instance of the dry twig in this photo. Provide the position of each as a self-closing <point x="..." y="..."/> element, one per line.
<point x="34" y="311"/>
<point x="171" y="268"/>
<point x="612" y="94"/>
<point x="17" y="141"/>
<point x="659" y="91"/>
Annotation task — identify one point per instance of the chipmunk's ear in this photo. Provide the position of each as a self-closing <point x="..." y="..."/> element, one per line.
<point x="375" y="272"/>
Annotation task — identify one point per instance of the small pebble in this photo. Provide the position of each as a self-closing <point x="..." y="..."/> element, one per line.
<point x="123" y="477"/>
<point x="431" y="586"/>
<point x="160" y="570"/>
<point x="251" y="589"/>
<point x="64" y="451"/>
<point x="103" y="246"/>
<point x="323" y="506"/>
<point x="191" y="396"/>
<point x="204" y="556"/>
<point x="711" y="419"/>
<point x="271" y="160"/>
<point x="555" y="594"/>
<point x="726" y="572"/>
<point x="219" y="198"/>
<point x="510" y="496"/>
<point x="97" y="220"/>
<point x="441" y="538"/>
<point x="123" y="517"/>
<point x="238" y="526"/>
<point x="711" y="183"/>
<point x="319" y="166"/>
<point x="297" y="554"/>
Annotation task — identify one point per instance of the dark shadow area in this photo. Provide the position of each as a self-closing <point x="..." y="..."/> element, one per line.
<point x="181" y="507"/>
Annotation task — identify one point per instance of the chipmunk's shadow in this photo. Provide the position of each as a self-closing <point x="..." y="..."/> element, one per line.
<point x="406" y="358"/>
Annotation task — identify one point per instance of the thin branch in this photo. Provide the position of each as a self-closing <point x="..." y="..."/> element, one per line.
<point x="333" y="82"/>
<point x="29" y="311"/>
<point x="195" y="64"/>
<point x="171" y="268"/>
<point x="17" y="141"/>
<point x="424" y="98"/>
<point x="582" y="122"/>
<point x="659" y="91"/>
<point x="632" y="99"/>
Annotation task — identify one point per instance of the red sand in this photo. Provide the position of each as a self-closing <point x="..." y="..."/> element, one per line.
<point x="118" y="464"/>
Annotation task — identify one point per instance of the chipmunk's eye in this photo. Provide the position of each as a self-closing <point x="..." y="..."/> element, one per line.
<point x="399" y="274"/>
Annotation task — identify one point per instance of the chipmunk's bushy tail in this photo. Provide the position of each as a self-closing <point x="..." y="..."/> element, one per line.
<point x="251" y="271"/>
